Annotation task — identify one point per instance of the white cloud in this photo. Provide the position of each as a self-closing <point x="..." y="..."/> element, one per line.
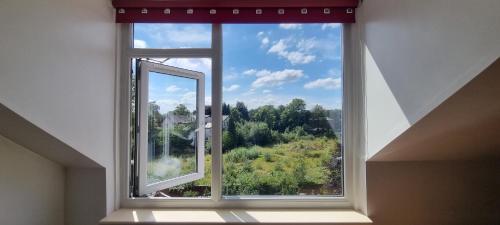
<point x="330" y="25"/>
<point x="249" y="92"/>
<point x="279" y="47"/>
<point x="189" y="96"/>
<point x="266" y="78"/>
<point x="167" y="35"/>
<point x="307" y="44"/>
<point x="173" y="88"/>
<point x="233" y="87"/>
<point x="188" y="99"/>
<point x="266" y="91"/>
<point x="203" y="65"/>
<point x="306" y="50"/>
<point x="250" y="72"/>
<point x="265" y="41"/>
<point x="230" y="76"/>
<point x="290" y="26"/>
<point x="295" y="57"/>
<point x="299" y="58"/>
<point x="334" y="72"/>
<point x="325" y="83"/>
<point x="140" y="44"/>
<point x="167" y="105"/>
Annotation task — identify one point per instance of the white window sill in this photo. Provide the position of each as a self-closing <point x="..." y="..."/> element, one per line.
<point x="225" y="216"/>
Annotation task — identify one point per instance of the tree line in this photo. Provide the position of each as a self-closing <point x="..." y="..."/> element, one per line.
<point x="261" y="126"/>
<point x="268" y="124"/>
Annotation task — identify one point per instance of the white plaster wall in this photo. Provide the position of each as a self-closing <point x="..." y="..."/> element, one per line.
<point x="57" y="60"/>
<point x="31" y="187"/>
<point x="89" y="204"/>
<point x="417" y="54"/>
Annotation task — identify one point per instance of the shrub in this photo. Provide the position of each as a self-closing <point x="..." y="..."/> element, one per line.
<point x="298" y="133"/>
<point x="284" y="169"/>
<point x="269" y="185"/>
<point x="240" y="180"/>
<point x="314" y="153"/>
<point x="230" y="140"/>
<point x="268" y="157"/>
<point x="240" y="155"/>
<point x="300" y="172"/>
<point x="276" y="136"/>
<point x="278" y="183"/>
<point x="278" y="167"/>
<point x="255" y="133"/>
<point x="288" y="185"/>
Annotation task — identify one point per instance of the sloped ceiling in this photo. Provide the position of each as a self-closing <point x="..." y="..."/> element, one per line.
<point x="464" y="127"/>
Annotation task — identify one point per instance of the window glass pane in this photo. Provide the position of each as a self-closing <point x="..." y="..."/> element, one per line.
<point x="163" y="36"/>
<point x="172" y="120"/>
<point x="282" y="110"/>
<point x="171" y="127"/>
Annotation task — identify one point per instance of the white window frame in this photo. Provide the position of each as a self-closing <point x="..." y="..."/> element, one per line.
<point x="145" y="68"/>
<point x="352" y="130"/>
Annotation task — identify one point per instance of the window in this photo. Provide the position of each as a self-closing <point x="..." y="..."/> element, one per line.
<point x="172" y="127"/>
<point x="172" y="139"/>
<point x="282" y="134"/>
<point x="235" y="115"/>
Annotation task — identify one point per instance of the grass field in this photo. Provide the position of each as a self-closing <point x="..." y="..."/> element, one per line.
<point x="295" y="168"/>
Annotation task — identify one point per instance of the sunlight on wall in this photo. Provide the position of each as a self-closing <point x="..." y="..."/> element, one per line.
<point x="385" y="117"/>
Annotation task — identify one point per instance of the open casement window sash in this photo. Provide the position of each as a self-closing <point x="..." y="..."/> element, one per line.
<point x="145" y="69"/>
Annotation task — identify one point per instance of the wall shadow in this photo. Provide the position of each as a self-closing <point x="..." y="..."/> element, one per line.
<point x="85" y="196"/>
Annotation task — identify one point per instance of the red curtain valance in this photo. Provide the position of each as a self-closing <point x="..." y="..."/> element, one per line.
<point x="235" y="11"/>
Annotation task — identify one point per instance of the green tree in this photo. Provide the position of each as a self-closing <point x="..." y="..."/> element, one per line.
<point x="318" y="122"/>
<point x="230" y="138"/>
<point x="181" y="139"/>
<point x="226" y="109"/>
<point x="235" y="115"/>
<point x="242" y="108"/>
<point x="181" y="110"/>
<point x="255" y="133"/>
<point x="228" y="142"/>
<point x="294" y="114"/>
<point x="267" y="114"/>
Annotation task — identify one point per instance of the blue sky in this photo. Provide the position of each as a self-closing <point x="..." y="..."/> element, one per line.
<point x="262" y="64"/>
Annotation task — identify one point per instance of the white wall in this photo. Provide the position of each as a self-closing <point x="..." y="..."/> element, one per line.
<point x="89" y="204"/>
<point x="31" y="187"/>
<point x="417" y="54"/>
<point x="57" y="60"/>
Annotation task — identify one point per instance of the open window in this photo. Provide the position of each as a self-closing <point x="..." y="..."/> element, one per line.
<point x="270" y="100"/>
<point x="171" y="136"/>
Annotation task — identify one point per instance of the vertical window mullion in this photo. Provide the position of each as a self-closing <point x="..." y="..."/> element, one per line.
<point x="126" y="43"/>
<point x="216" y="112"/>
